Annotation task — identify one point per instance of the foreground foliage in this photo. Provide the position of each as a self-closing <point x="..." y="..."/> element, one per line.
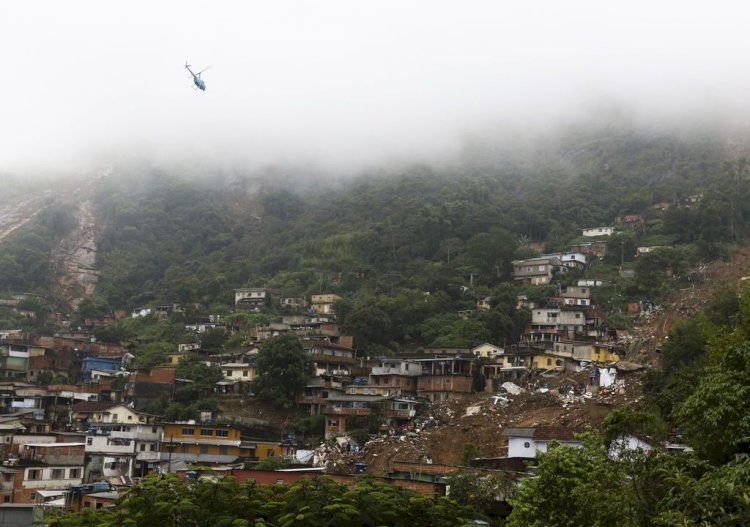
<point x="585" y="486"/>
<point x="167" y="501"/>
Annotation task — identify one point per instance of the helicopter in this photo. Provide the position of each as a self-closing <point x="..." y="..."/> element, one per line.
<point x="200" y="83"/>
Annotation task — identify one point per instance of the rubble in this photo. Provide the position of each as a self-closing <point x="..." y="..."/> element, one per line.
<point x="628" y="366"/>
<point x="512" y="388"/>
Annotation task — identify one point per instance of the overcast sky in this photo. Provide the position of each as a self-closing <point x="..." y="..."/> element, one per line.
<point x="345" y="83"/>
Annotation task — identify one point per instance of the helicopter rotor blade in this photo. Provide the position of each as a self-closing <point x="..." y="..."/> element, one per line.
<point x="204" y="69"/>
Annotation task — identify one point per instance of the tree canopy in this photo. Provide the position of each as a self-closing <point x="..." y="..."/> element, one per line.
<point x="282" y="368"/>
<point x="168" y="501"/>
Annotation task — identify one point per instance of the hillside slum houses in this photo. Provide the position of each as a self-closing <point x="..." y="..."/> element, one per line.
<point x="73" y="414"/>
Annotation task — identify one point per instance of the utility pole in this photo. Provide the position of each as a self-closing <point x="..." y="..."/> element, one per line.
<point x="171" y="447"/>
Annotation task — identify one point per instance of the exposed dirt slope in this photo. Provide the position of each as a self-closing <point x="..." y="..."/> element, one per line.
<point x="74" y="258"/>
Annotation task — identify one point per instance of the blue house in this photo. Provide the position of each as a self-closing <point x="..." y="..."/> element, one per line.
<point x="98" y="363"/>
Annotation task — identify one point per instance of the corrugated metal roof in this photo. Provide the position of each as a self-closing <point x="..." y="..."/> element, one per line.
<point x="199" y="458"/>
<point x="542" y="433"/>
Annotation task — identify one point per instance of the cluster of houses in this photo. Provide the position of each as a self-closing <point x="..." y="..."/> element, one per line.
<point x="103" y="447"/>
<point x="72" y="418"/>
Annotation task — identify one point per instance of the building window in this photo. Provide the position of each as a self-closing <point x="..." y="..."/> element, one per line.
<point x="35" y="474"/>
<point x="6" y="499"/>
<point x="151" y="447"/>
<point x="58" y="473"/>
<point x="204" y="449"/>
<point x="222" y="433"/>
<point x="153" y="429"/>
<point x="188" y="431"/>
<point x="549" y="362"/>
<point x="223" y="450"/>
<point x="143" y="447"/>
<point x="89" y="441"/>
<point x="207" y="432"/>
<point x="269" y="452"/>
<point x="74" y="473"/>
<point x="184" y="449"/>
<point x="244" y="373"/>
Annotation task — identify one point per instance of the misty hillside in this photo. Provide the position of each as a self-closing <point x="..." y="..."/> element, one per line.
<point x="166" y="238"/>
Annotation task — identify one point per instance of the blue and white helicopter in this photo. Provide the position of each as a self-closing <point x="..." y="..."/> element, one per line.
<point x="200" y="83"/>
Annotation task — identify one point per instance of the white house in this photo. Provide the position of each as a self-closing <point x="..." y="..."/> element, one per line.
<point x="253" y="298"/>
<point x="238" y="371"/>
<point x="577" y="296"/>
<point x="628" y="442"/>
<point x="574" y="260"/>
<point x="598" y="231"/>
<point x="526" y="442"/>
<point x="536" y="271"/>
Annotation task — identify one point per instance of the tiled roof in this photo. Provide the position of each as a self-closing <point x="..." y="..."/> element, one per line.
<point x="93" y="406"/>
<point x="559" y="433"/>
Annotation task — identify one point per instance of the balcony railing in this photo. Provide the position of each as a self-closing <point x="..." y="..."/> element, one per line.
<point x="337" y="410"/>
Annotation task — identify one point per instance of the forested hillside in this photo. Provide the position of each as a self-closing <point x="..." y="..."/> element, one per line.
<point x="166" y="238"/>
<point x="383" y="240"/>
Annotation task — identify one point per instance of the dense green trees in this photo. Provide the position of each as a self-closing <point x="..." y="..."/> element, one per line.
<point x="282" y="368"/>
<point x="152" y="354"/>
<point x="584" y="486"/>
<point x="167" y="240"/>
<point x="572" y="487"/>
<point x="167" y="501"/>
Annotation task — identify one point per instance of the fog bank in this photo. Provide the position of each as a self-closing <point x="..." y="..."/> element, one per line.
<point x="344" y="86"/>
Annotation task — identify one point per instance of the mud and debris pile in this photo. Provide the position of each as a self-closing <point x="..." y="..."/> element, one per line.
<point x="440" y="435"/>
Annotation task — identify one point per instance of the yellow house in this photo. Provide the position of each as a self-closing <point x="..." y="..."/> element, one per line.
<point x="323" y="304"/>
<point x="265" y="449"/>
<point x="194" y="442"/>
<point x="175" y="357"/>
<point x="604" y="353"/>
<point x="543" y="361"/>
<point x="488" y="351"/>
<point x="573" y="355"/>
